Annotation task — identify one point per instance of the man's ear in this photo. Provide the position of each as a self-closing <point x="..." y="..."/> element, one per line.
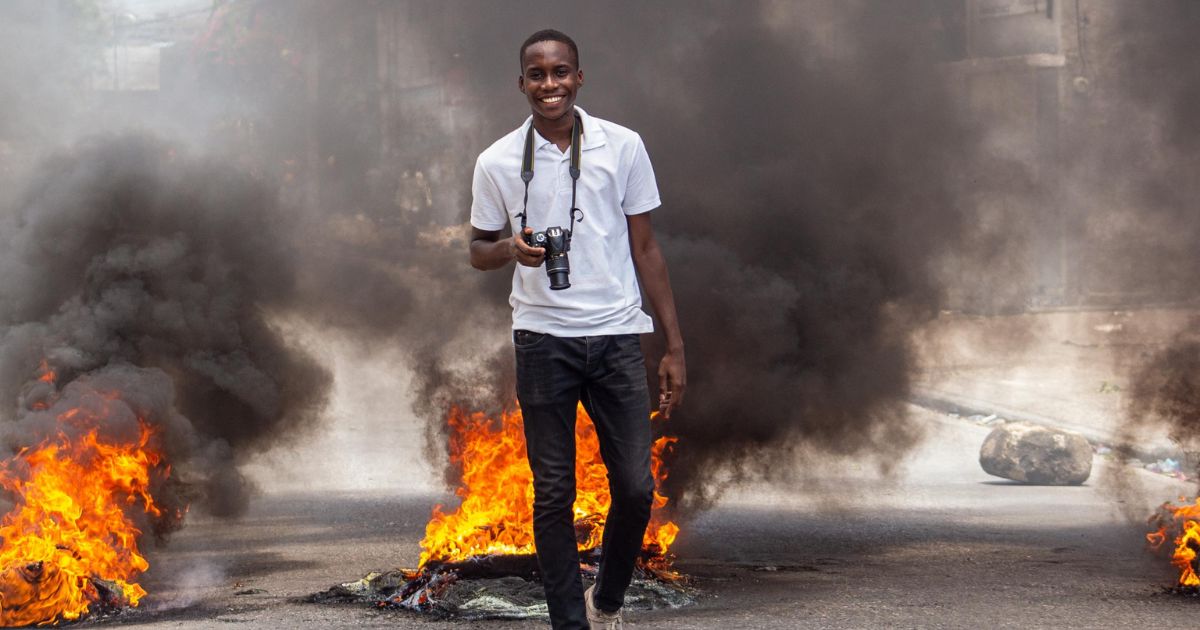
<point x="580" y="72"/>
<point x="521" y="83"/>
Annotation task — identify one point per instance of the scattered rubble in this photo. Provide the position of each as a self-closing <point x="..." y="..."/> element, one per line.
<point x="485" y="589"/>
<point x="1039" y="455"/>
<point x="1181" y="591"/>
<point x="1169" y="467"/>
<point x="989" y="420"/>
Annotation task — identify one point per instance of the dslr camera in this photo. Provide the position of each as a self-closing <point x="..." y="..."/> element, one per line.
<point x="557" y="243"/>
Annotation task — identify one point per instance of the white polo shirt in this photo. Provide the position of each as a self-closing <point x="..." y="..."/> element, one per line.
<point x="616" y="180"/>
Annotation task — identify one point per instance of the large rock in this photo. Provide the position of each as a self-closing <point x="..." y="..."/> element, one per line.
<point x="1034" y="454"/>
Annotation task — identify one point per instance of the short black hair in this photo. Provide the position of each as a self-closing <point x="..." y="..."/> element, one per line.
<point x="550" y="35"/>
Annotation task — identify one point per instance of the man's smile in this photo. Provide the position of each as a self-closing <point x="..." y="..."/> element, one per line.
<point x="550" y="80"/>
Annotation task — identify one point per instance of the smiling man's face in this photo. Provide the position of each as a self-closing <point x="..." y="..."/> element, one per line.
<point x="550" y="79"/>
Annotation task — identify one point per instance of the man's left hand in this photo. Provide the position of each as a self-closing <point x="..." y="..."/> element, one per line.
<point x="672" y="381"/>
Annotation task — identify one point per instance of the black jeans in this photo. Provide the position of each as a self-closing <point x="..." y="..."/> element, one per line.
<point x="608" y="375"/>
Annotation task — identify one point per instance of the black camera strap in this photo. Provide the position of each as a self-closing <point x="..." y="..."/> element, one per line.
<point x="576" y="158"/>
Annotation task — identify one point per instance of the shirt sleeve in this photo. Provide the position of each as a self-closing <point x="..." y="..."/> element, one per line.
<point x="641" y="190"/>
<point x="487" y="205"/>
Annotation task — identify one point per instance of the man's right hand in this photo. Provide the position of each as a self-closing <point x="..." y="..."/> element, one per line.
<point x="524" y="254"/>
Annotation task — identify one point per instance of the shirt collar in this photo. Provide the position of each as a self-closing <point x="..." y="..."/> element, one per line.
<point x="593" y="133"/>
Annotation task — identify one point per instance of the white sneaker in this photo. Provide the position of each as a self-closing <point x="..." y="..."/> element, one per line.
<point x="598" y="619"/>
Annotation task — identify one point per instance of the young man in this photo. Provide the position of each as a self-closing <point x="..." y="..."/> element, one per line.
<point x="579" y="343"/>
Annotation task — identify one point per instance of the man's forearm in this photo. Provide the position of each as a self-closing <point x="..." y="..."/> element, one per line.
<point x="488" y="255"/>
<point x="652" y="268"/>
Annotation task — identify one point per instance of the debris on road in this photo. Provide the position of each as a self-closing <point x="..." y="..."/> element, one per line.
<point x="1169" y="467"/>
<point x="980" y="419"/>
<point x="449" y="594"/>
<point x="1038" y="455"/>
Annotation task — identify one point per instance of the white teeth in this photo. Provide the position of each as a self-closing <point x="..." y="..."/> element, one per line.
<point x="552" y="99"/>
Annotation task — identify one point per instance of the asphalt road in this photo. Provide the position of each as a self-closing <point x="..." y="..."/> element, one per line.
<point x="938" y="545"/>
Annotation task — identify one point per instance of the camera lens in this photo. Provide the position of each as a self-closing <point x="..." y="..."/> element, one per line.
<point x="559" y="269"/>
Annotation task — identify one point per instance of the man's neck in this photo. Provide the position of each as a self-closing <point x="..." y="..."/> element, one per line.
<point x="556" y="131"/>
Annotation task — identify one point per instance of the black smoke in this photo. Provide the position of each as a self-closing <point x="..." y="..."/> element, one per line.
<point x="811" y="162"/>
<point x="803" y="228"/>
<point x="810" y="159"/>
<point x="1131" y="150"/>
<point x="160" y="248"/>
<point x="1147" y="154"/>
<point x="134" y="269"/>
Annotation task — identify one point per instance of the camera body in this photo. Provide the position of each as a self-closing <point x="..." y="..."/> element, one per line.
<point x="557" y="242"/>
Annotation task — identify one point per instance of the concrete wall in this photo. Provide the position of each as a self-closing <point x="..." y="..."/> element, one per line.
<point x="1010" y="84"/>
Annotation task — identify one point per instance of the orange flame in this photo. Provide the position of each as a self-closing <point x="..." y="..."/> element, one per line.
<point x="1186" y="519"/>
<point x="47" y="373"/>
<point x="496" y="512"/>
<point x="70" y="524"/>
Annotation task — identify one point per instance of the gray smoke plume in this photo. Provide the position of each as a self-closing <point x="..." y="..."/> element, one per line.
<point x="809" y="159"/>
<point x="815" y="170"/>
<point x="1149" y="161"/>
<point x="803" y="237"/>
<point x="134" y="270"/>
<point x="1132" y="151"/>
<point x="157" y="272"/>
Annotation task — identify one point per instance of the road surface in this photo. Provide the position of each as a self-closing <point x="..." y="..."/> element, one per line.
<point x="939" y="544"/>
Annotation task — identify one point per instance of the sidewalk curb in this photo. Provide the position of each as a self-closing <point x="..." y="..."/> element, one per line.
<point x="966" y="406"/>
